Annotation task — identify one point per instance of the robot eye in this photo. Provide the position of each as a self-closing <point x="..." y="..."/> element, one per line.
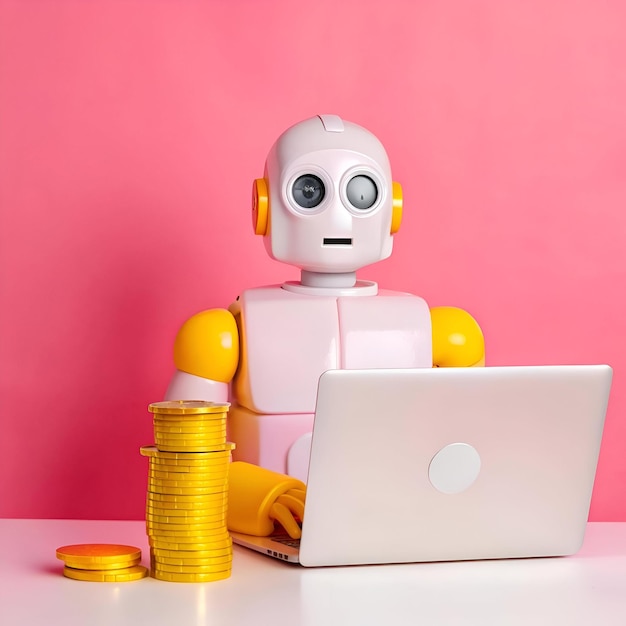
<point x="362" y="192"/>
<point x="308" y="191"/>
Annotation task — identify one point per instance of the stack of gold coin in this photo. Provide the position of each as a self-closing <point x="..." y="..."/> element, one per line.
<point x="188" y="492"/>
<point x="102" y="562"/>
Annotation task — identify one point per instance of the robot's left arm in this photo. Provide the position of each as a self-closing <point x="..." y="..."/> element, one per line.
<point x="457" y="338"/>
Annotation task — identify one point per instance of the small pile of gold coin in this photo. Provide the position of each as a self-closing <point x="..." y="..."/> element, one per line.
<point x="187" y="499"/>
<point x="102" y="562"/>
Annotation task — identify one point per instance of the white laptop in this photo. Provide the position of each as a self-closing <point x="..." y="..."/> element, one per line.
<point x="449" y="464"/>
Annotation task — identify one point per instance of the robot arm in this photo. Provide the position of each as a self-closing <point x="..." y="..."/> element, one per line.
<point x="206" y="355"/>
<point x="457" y="338"/>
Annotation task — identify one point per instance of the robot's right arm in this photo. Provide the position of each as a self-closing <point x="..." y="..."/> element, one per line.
<point x="206" y="355"/>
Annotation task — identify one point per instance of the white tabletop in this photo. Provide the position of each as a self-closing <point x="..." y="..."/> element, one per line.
<point x="589" y="588"/>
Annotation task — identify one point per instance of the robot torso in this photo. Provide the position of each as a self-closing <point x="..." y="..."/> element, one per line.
<point x="289" y="338"/>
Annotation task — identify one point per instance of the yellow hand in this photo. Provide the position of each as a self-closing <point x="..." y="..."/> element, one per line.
<point x="258" y="497"/>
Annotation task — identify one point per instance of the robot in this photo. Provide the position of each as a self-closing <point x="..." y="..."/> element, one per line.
<point x="326" y="204"/>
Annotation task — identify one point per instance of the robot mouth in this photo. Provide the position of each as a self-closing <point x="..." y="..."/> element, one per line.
<point x="337" y="241"/>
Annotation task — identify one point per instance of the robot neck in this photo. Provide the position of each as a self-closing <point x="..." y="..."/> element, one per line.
<point x="330" y="281"/>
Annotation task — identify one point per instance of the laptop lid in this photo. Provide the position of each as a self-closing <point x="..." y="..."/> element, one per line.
<point x="452" y="464"/>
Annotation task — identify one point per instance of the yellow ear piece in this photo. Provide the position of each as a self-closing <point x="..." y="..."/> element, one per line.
<point x="396" y="212"/>
<point x="260" y="206"/>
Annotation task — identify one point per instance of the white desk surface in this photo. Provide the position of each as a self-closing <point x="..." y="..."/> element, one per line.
<point x="589" y="588"/>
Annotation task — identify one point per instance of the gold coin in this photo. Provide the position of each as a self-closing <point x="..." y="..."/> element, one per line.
<point x="182" y="445"/>
<point x="218" y="566"/>
<point x="202" y="511"/>
<point x="187" y="501"/>
<point x="203" y="535"/>
<point x="189" y="578"/>
<point x="98" y="553"/>
<point x="189" y="441"/>
<point x="192" y="434"/>
<point x="180" y="537"/>
<point x="110" y="576"/>
<point x="186" y="491"/>
<point x="176" y="467"/>
<point x="223" y="544"/>
<point x="206" y="508"/>
<point x="182" y="560"/>
<point x="187" y="407"/>
<point x="174" y="428"/>
<point x="223" y="452"/>
<point x="208" y="473"/>
<point x="215" y="420"/>
<point x="181" y="521"/>
<point x="80" y="564"/>
<point x="186" y="472"/>
<point x="220" y="433"/>
<point x="190" y="483"/>
<point x="177" y="544"/>
<point x="189" y="528"/>
<point x="191" y="449"/>
<point x="186" y="476"/>
<point x="210" y="426"/>
<point x="186" y="516"/>
<point x="204" y="538"/>
<point x="208" y="462"/>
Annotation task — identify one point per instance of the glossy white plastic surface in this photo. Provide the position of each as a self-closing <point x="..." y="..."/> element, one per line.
<point x="589" y="588"/>
<point x="537" y="431"/>
<point x="289" y="339"/>
<point x="187" y="386"/>
<point x="297" y="235"/>
<point x="265" y="439"/>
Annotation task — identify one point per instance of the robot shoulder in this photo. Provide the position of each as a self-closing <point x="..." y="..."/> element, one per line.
<point x="457" y="338"/>
<point x="207" y="345"/>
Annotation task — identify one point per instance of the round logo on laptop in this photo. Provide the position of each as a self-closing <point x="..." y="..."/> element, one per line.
<point x="454" y="468"/>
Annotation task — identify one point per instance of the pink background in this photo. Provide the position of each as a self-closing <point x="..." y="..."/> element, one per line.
<point x="130" y="133"/>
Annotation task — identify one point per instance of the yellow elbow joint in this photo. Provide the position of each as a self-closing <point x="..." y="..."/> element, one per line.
<point x="457" y="338"/>
<point x="207" y="345"/>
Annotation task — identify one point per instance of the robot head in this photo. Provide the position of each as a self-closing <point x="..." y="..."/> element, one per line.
<point x="327" y="203"/>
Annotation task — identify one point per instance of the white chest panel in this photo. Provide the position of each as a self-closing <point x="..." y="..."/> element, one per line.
<point x="288" y="340"/>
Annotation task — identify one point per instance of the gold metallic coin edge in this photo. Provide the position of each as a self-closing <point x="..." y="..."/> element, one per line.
<point x="189" y="578"/>
<point x="204" y="506"/>
<point x="219" y="436"/>
<point x="188" y="449"/>
<point x="207" y="460"/>
<point x="182" y="546"/>
<point x="187" y="484"/>
<point x="191" y="430"/>
<point x="169" y="497"/>
<point x="187" y="476"/>
<point x="224" y="544"/>
<point x="101" y="566"/>
<point x="166" y="490"/>
<point x="106" y="576"/>
<point x="185" y="514"/>
<point x="187" y="541"/>
<point x="182" y="520"/>
<point x="192" y="569"/>
<point x="186" y="407"/>
<point x="225" y="552"/>
<point x="152" y="451"/>
<point x="180" y="524"/>
<point x="198" y="536"/>
<point x="182" y="509"/>
<point x="99" y="558"/>
<point x="185" y="427"/>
